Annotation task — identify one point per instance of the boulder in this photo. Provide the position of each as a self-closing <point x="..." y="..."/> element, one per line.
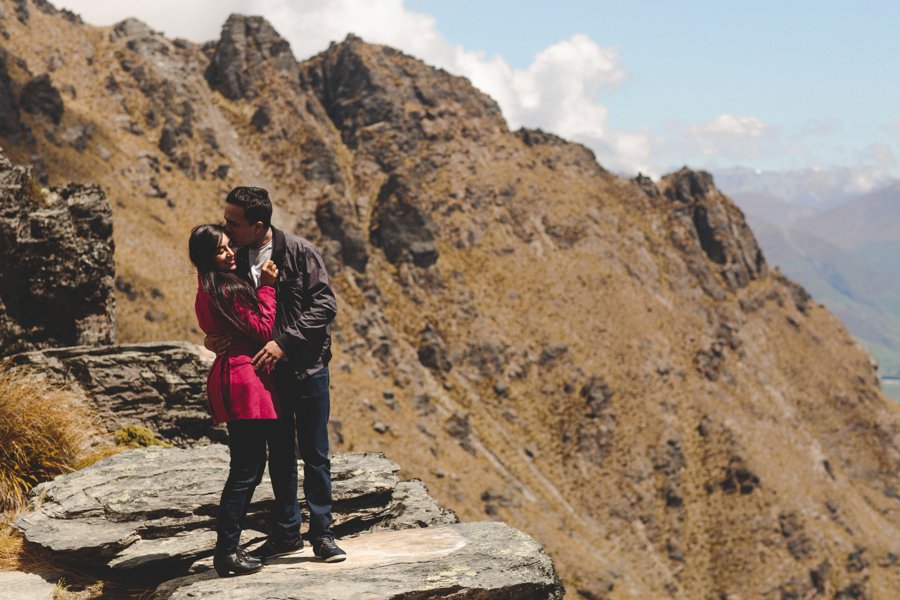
<point x="160" y="385"/>
<point x="483" y="561"/>
<point x="151" y="512"/>
<point x="56" y="277"/>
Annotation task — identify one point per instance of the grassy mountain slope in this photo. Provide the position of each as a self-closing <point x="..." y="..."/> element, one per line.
<point x="865" y="299"/>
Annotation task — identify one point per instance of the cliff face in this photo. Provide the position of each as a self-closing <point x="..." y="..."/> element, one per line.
<point x="69" y="299"/>
<point x="607" y="364"/>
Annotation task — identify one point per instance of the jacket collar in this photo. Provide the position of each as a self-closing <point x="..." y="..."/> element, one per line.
<point x="279" y="247"/>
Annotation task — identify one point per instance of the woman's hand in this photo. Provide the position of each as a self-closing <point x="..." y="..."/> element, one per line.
<point x="268" y="274"/>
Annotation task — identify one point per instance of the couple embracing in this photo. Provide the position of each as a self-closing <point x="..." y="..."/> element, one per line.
<point x="266" y="306"/>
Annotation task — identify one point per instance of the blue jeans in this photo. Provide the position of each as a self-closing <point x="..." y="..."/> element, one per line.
<point x="305" y="408"/>
<point x="247" y="446"/>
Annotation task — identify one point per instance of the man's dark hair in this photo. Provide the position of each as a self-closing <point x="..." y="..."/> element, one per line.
<point x="255" y="202"/>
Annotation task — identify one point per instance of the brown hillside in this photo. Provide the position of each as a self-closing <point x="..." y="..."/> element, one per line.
<point x="606" y="364"/>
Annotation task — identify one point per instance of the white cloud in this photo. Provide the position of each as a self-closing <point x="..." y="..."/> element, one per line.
<point x="198" y="20"/>
<point x="559" y="91"/>
<point x="722" y="140"/>
<point x="730" y="126"/>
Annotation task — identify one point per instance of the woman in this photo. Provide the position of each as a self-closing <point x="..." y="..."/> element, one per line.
<point x="238" y="396"/>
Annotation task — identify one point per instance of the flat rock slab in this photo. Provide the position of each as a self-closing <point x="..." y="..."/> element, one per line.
<point x="15" y="585"/>
<point x="153" y="509"/>
<point x="159" y="385"/>
<point x="483" y="560"/>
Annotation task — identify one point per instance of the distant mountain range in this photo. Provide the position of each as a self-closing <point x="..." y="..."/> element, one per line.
<point x="847" y="256"/>
<point x="816" y="189"/>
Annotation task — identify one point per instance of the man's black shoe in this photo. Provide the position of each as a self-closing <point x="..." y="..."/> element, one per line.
<point x="227" y="564"/>
<point x="327" y="550"/>
<point x="273" y="549"/>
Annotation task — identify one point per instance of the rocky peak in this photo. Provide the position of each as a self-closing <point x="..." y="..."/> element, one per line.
<point x="705" y="220"/>
<point x="365" y="85"/>
<point x="688" y="186"/>
<point x="247" y="45"/>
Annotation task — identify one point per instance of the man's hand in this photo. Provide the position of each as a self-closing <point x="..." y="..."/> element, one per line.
<point x="266" y="358"/>
<point x="217" y="343"/>
<point x="268" y="274"/>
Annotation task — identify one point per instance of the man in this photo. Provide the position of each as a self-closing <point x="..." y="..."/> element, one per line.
<point x="299" y="352"/>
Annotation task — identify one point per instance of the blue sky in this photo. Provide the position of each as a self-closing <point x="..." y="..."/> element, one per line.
<point x="649" y="85"/>
<point x="827" y="72"/>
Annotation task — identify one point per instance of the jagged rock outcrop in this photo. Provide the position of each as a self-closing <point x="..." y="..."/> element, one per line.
<point x="402" y="226"/>
<point x="702" y="215"/>
<point x="484" y="561"/>
<point x="158" y="385"/>
<point x="56" y="277"/>
<point x="41" y="97"/>
<point x="140" y="38"/>
<point x="337" y="221"/>
<point x="389" y="104"/>
<point x="247" y="47"/>
<point x="151" y="512"/>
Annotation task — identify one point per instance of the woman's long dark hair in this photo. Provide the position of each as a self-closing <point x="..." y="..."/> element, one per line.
<point x="224" y="287"/>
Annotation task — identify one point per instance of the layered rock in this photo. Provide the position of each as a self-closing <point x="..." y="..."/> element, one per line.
<point x="151" y="512"/>
<point x="487" y="561"/>
<point x="158" y="385"/>
<point x="56" y="279"/>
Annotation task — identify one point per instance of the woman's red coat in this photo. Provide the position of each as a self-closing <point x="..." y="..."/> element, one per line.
<point x="234" y="388"/>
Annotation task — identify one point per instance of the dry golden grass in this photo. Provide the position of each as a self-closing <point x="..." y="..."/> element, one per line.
<point x="43" y="428"/>
<point x="10" y="544"/>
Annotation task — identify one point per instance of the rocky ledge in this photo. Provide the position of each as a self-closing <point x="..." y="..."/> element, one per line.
<point x="148" y="515"/>
<point x="153" y="510"/>
<point x="482" y="560"/>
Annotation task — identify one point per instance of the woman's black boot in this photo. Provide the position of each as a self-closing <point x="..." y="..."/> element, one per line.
<point x="235" y="562"/>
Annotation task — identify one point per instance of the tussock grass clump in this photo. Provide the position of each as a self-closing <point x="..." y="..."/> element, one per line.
<point x="137" y="436"/>
<point x="43" y="427"/>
